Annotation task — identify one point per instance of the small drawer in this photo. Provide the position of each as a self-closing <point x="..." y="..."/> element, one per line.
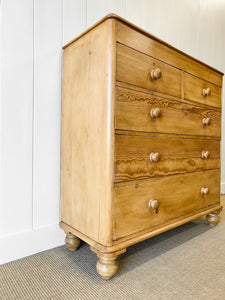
<point x="141" y="70"/>
<point x="156" y="201"/>
<point x="141" y="157"/>
<point x="140" y="111"/>
<point x="201" y="91"/>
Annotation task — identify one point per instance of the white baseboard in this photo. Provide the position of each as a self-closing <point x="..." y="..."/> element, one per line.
<point x="223" y="188"/>
<point x="23" y="244"/>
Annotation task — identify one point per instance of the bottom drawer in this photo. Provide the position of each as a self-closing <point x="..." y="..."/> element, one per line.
<point x="171" y="197"/>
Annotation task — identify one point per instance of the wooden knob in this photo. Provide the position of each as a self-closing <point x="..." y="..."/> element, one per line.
<point x="205" y="154"/>
<point x="155" y="112"/>
<point x="204" y="191"/>
<point x="154" y="157"/>
<point x="206" y="121"/>
<point x="156" y="74"/>
<point x="154" y="204"/>
<point x="206" y="92"/>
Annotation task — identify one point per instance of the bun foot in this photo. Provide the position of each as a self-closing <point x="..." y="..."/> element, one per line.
<point x="72" y="242"/>
<point x="213" y="218"/>
<point x="107" y="266"/>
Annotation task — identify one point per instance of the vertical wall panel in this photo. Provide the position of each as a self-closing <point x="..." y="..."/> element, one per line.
<point x="16" y="115"/>
<point x="133" y="11"/>
<point x="74" y="19"/>
<point x="117" y="7"/>
<point x="171" y="21"/>
<point x="153" y="12"/>
<point x="47" y="110"/>
<point x="96" y="9"/>
<point x="1" y="211"/>
<point x="205" y="40"/>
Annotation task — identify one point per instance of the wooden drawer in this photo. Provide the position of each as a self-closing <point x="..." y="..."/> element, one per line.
<point x="177" y="155"/>
<point x="135" y="111"/>
<point x="136" y="68"/>
<point x="195" y="88"/>
<point x="176" y="195"/>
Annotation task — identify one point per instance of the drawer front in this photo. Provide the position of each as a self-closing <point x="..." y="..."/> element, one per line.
<point x="139" y="111"/>
<point x="201" y="91"/>
<point x="141" y="157"/>
<point x="142" y="70"/>
<point x="176" y="196"/>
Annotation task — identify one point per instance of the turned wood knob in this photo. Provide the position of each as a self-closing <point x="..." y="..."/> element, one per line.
<point x="206" y="121"/>
<point x="205" y="154"/>
<point x="204" y="191"/>
<point x="154" y="157"/>
<point x="154" y="204"/>
<point x="206" y="92"/>
<point x="155" y="112"/>
<point x="156" y="74"/>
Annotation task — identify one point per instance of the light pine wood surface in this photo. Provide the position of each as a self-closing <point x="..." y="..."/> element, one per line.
<point x="139" y="154"/>
<point x="136" y="68"/>
<point x="31" y="110"/>
<point x="177" y="195"/>
<point x="176" y="155"/>
<point x="134" y="113"/>
<point x="139" y="40"/>
<point x="193" y="90"/>
<point x="87" y="128"/>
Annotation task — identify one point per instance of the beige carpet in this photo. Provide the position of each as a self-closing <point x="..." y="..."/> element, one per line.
<point x="185" y="263"/>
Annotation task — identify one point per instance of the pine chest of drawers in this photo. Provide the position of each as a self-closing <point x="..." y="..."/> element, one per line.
<point x="140" y="139"/>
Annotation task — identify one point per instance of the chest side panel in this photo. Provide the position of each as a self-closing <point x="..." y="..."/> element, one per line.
<point x="87" y="133"/>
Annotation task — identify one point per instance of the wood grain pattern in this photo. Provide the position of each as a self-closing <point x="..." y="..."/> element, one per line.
<point x="123" y="243"/>
<point x="127" y="27"/>
<point x="177" y="196"/>
<point x="157" y="49"/>
<point x="136" y="157"/>
<point x="133" y="113"/>
<point x="161" y="134"/>
<point x="87" y="117"/>
<point x="193" y="90"/>
<point x="162" y="95"/>
<point x="177" y="155"/>
<point x="135" y="68"/>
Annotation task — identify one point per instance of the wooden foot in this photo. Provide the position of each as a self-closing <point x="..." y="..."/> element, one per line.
<point x="107" y="266"/>
<point x="72" y="242"/>
<point x="213" y="218"/>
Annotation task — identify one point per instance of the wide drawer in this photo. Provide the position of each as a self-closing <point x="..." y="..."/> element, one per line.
<point x="140" y="111"/>
<point x="201" y="91"/>
<point x="144" y="71"/>
<point x="176" y="196"/>
<point x="141" y="157"/>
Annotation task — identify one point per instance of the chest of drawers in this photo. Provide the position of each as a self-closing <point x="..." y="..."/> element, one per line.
<point x="140" y="139"/>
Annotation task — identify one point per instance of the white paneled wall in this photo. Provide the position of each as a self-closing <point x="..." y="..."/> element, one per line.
<point x="32" y="35"/>
<point x="16" y="116"/>
<point x="48" y="27"/>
